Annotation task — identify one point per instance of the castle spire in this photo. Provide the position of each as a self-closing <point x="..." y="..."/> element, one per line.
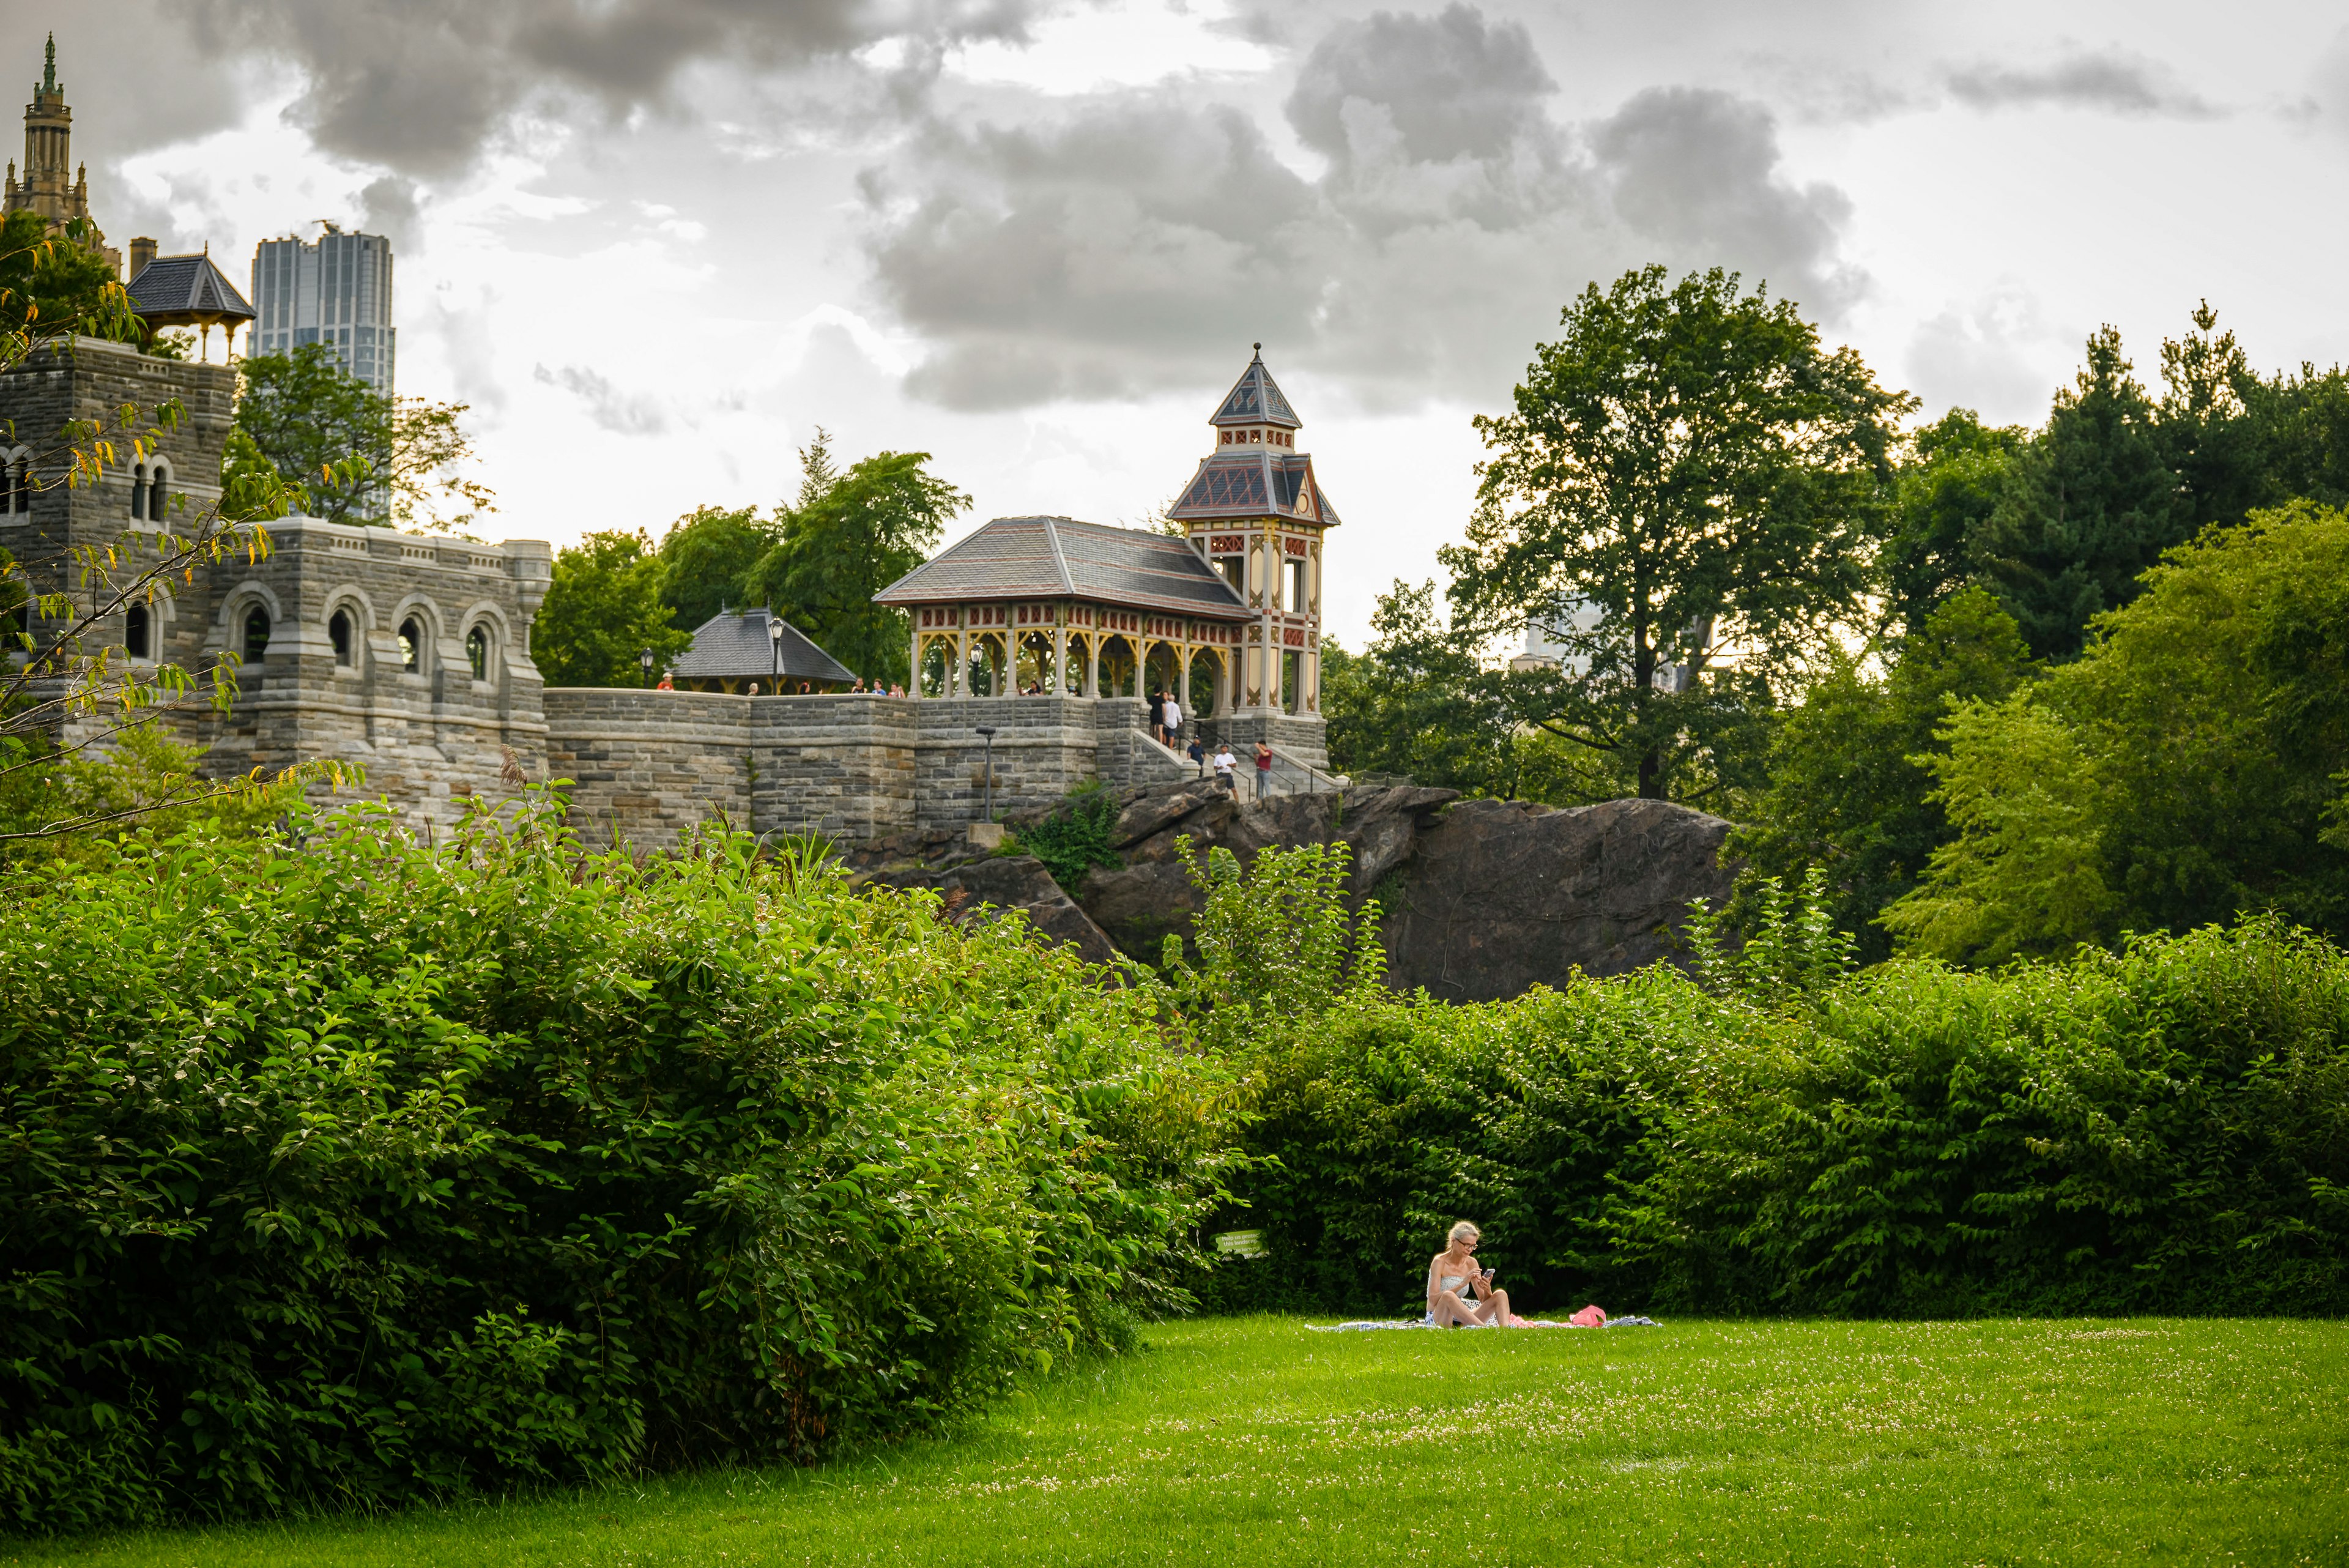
<point x="49" y="69"/>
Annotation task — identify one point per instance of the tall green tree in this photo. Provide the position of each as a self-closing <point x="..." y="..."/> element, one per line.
<point x="1418" y="702"/>
<point x="358" y="455"/>
<point x="707" y="556"/>
<point x="1948" y="488"/>
<point x="850" y="536"/>
<point x="1688" y="460"/>
<point x="601" y="611"/>
<point x="1849" y="793"/>
<point x="2089" y="506"/>
<point x="2188" y="768"/>
<point x="53" y="283"/>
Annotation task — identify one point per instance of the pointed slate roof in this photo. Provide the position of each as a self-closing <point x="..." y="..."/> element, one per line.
<point x="733" y="644"/>
<point x="187" y="291"/>
<point x="1255" y="400"/>
<point x="1058" y="557"/>
<point x="1254" y="482"/>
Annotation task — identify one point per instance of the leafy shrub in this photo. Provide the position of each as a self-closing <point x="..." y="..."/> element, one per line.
<point x="352" y="1174"/>
<point x="1074" y="836"/>
<point x="2162" y="1129"/>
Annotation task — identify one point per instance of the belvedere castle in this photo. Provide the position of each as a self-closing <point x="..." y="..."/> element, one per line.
<point x="409" y="654"/>
<point x="1032" y="642"/>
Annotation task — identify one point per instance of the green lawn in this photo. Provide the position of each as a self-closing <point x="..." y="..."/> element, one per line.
<point x="1253" y="1442"/>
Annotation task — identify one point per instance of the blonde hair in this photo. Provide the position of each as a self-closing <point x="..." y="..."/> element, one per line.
<point x="1464" y="1229"/>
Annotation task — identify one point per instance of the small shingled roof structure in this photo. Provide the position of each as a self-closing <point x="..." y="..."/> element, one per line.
<point x="1254" y="399"/>
<point x="1060" y="558"/>
<point x="188" y="291"/>
<point x="734" y="646"/>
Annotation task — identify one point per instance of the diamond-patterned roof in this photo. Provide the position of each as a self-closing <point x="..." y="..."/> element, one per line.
<point x="1058" y="557"/>
<point x="186" y="291"/>
<point x="734" y="644"/>
<point x="1257" y="482"/>
<point x="1255" y="400"/>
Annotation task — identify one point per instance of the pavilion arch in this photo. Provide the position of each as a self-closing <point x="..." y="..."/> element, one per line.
<point x="988" y="664"/>
<point x="1120" y="666"/>
<point x="1210" y="673"/>
<point x="1076" y="672"/>
<point x="934" y="664"/>
<point x="1162" y="667"/>
<point x="1033" y="665"/>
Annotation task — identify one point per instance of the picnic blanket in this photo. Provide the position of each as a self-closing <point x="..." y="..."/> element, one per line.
<point x="1521" y="1322"/>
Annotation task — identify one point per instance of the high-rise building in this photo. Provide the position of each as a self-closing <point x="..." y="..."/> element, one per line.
<point x="45" y="188"/>
<point x="336" y="292"/>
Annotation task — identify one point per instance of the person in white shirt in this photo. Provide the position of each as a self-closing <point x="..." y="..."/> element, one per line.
<point x="1225" y="763"/>
<point x="1173" y="718"/>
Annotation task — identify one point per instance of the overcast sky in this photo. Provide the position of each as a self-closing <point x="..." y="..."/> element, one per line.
<point x="654" y="243"/>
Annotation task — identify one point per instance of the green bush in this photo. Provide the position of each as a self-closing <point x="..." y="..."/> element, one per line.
<point x="1072" y="837"/>
<point x="353" y="1172"/>
<point x="2163" y="1129"/>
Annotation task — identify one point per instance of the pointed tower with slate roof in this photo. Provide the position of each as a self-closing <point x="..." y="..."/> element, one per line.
<point x="1255" y="512"/>
<point x="53" y="185"/>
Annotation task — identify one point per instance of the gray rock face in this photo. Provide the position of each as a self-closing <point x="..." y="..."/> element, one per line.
<point x="986" y="883"/>
<point x="1149" y="897"/>
<point x="1481" y="899"/>
<point x="1497" y="897"/>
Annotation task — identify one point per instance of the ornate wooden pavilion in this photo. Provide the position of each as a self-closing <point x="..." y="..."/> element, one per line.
<point x="1228" y="615"/>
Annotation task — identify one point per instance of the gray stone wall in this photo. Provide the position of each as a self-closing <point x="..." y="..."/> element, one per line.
<point x="426" y="731"/>
<point x="1304" y="738"/>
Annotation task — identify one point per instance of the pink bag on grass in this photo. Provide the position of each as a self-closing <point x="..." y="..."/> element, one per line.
<point x="1588" y="1317"/>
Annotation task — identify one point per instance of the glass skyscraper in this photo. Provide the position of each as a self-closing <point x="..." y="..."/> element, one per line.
<point x="336" y="292"/>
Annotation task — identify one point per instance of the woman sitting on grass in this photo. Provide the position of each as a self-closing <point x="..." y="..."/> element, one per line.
<point x="1450" y="1277"/>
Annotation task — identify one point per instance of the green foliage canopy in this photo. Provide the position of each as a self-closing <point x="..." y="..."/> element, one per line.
<point x="602" y="610"/>
<point x="371" y="1172"/>
<point x="1688" y="460"/>
<point x="2188" y="768"/>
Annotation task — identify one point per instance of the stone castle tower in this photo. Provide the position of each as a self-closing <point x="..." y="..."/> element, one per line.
<point x="46" y="187"/>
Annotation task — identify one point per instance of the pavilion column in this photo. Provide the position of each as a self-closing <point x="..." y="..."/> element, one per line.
<point x="1009" y="682"/>
<point x="1060" y="662"/>
<point x="960" y="686"/>
<point x="1183" y="679"/>
<point x="1092" y="664"/>
<point x="914" y="668"/>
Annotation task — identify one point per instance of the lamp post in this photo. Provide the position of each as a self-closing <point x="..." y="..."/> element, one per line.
<point x="645" y="663"/>
<point x="988" y="736"/>
<point x="775" y="641"/>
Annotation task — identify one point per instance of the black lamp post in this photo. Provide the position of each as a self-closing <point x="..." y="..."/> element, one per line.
<point x="775" y="641"/>
<point x="988" y="735"/>
<point x="645" y="663"/>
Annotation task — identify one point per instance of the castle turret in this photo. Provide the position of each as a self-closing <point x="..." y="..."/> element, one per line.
<point x="52" y="184"/>
<point x="1255" y="511"/>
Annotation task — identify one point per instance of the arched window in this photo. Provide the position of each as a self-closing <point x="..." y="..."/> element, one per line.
<point x="256" y="634"/>
<point x="138" y="489"/>
<point x="138" y="629"/>
<point x="338" y="632"/>
<point x="155" y="494"/>
<point x="477" y="651"/>
<point x="411" y="645"/>
<point x="24" y="486"/>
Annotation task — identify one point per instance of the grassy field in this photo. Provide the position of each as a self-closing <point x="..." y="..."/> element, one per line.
<point x="1253" y="1442"/>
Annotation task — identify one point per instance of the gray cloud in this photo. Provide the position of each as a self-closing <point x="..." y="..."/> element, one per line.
<point x="610" y="408"/>
<point x="2109" y="80"/>
<point x="388" y="205"/>
<point x="1139" y="241"/>
<point x="1697" y="169"/>
<point x="422" y="86"/>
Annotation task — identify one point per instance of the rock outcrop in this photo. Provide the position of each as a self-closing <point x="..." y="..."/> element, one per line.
<point x="987" y="883"/>
<point x="1482" y="900"/>
<point x="1499" y="896"/>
